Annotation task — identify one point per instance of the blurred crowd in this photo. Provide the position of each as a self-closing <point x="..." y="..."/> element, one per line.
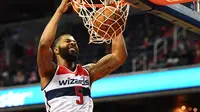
<point x="18" y="51"/>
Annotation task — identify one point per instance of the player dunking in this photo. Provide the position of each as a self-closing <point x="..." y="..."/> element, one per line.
<point x="66" y="86"/>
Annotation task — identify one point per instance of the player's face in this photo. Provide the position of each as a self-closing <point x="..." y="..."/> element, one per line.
<point x="68" y="48"/>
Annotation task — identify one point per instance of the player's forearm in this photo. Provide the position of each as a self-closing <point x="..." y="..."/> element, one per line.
<point x="110" y="62"/>
<point x="119" y="48"/>
<point x="49" y="32"/>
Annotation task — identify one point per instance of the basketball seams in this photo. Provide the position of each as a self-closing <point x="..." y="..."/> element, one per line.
<point x="106" y="22"/>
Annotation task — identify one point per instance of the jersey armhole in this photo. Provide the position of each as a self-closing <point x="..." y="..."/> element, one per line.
<point x="86" y="69"/>
<point x="57" y="67"/>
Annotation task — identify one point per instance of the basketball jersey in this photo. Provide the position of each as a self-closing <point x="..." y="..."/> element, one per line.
<point x="69" y="91"/>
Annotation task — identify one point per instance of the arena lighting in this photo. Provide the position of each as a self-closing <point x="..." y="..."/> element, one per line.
<point x="195" y="109"/>
<point x="183" y="107"/>
<point x="111" y="86"/>
<point x="147" y="82"/>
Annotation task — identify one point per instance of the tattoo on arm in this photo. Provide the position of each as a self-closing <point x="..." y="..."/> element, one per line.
<point x="110" y="62"/>
<point x="103" y="67"/>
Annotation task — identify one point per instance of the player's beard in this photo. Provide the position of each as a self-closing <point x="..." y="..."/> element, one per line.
<point x="66" y="54"/>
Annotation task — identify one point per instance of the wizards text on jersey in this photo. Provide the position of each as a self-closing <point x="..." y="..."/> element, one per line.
<point x="69" y="81"/>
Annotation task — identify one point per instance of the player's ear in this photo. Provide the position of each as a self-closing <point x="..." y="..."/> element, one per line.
<point x="56" y="51"/>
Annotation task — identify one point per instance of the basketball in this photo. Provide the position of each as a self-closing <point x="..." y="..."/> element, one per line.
<point x="108" y="22"/>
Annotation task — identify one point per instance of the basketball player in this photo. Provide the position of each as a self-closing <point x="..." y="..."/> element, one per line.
<point x="66" y="86"/>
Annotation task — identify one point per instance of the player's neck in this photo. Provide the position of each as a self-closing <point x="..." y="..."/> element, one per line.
<point x="65" y="63"/>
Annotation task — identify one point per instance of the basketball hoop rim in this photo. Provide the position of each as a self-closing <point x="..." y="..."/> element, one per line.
<point x="88" y="10"/>
<point x="121" y="3"/>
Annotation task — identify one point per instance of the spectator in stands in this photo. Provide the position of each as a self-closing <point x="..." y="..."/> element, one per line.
<point x="173" y="59"/>
<point x="6" y="78"/>
<point x="197" y="57"/>
<point x="184" y="52"/>
<point x="1" y="82"/>
<point x="146" y="42"/>
<point x="30" y="51"/>
<point x="33" y="77"/>
<point x="19" y="78"/>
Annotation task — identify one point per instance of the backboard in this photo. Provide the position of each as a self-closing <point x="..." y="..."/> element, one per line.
<point x="176" y="13"/>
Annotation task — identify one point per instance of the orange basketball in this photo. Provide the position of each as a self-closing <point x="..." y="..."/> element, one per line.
<point x="107" y="21"/>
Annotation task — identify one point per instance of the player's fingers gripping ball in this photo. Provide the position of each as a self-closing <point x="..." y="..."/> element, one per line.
<point x="108" y="22"/>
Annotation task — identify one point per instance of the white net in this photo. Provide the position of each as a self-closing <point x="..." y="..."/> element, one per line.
<point x="107" y="28"/>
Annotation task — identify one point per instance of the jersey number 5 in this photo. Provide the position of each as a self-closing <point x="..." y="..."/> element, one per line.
<point x="79" y="92"/>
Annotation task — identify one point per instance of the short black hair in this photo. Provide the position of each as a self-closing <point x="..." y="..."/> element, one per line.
<point x="56" y="42"/>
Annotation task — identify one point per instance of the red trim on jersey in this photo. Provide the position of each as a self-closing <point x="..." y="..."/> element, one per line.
<point x="80" y="71"/>
<point x="169" y="2"/>
<point x="63" y="70"/>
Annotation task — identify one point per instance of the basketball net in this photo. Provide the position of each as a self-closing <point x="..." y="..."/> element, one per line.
<point x="87" y="10"/>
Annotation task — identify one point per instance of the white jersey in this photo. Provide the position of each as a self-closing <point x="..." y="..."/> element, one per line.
<point x="69" y="91"/>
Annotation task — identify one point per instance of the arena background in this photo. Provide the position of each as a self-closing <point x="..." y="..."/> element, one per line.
<point x="154" y="46"/>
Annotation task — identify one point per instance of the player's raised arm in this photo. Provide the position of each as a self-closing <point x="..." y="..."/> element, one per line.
<point x="110" y="62"/>
<point x="45" y="55"/>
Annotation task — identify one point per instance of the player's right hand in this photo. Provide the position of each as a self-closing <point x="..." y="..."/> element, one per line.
<point x="76" y="6"/>
<point x="65" y="4"/>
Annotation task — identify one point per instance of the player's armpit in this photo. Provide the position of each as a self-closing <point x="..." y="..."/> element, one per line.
<point x="104" y="66"/>
<point x="44" y="60"/>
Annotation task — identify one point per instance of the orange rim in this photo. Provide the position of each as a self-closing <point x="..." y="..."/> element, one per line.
<point x="122" y="3"/>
